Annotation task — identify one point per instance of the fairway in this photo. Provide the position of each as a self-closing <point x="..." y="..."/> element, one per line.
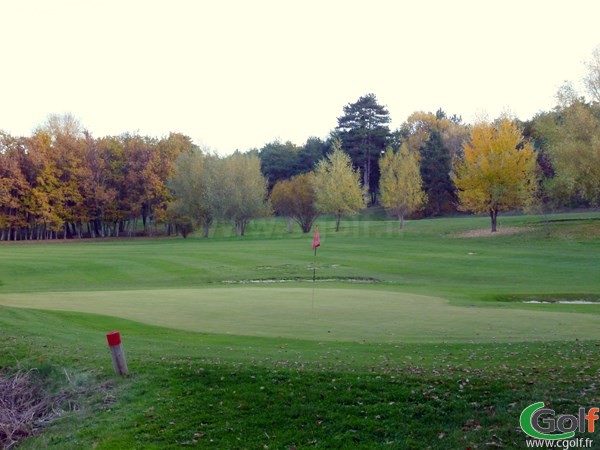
<point x="350" y="315"/>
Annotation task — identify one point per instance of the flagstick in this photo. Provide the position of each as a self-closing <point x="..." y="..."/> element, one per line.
<point x="315" y="266"/>
<point x="314" y="281"/>
<point x="316" y="243"/>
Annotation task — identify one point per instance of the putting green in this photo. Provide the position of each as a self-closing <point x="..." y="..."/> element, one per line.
<point x="338" y="314"/>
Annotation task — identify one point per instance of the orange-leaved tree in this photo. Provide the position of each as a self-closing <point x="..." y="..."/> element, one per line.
<point x="497" y="172"/>
<point x="295" y="198"/>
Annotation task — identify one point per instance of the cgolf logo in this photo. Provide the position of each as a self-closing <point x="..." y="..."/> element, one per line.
<point x="540" y="423"/>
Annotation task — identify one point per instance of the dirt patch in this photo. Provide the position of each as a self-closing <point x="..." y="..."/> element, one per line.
<point x="504" y="231"/>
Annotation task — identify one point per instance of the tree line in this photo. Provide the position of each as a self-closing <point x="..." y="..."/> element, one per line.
<point x="436" y="164"/>
<point x="61" y="182"/>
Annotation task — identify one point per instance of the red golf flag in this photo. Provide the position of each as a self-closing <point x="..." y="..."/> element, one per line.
<point x="316" y="240"/>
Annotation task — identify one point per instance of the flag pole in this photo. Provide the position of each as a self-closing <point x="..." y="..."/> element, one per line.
<point x="314" y="282"/>
<point x="316" y="243"/>
<point x="315" y="266"/>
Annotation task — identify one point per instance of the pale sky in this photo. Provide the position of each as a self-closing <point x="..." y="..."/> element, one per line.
<point x="240" y="73"/>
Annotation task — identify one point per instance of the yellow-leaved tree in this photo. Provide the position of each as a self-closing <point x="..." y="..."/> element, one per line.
<point x="295" y="198"/>
<point x="497" y="172"/>
<point x="400" y="184"/>
<point x="337" y="185"/>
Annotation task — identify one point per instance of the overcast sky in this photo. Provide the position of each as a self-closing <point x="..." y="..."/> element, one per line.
<point x="240" y="73"/>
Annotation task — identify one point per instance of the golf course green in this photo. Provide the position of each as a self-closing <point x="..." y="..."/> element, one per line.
<point x="339" y="314"/>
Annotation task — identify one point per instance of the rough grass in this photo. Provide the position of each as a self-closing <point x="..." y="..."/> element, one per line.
<point x="22" y="407"/>
<point x="26" y="406"/>
<point x="214" y="391"/>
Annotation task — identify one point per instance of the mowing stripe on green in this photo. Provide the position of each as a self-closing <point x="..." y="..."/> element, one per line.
<point x="339" y="314"/>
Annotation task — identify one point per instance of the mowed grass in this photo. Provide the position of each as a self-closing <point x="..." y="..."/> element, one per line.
<point x="215" y="391"/>
<point x="336" y="314"/>
<point x="436" y="351"/>
<point x="425" y="258"/>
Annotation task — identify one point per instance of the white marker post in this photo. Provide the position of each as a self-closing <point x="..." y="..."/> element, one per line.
<point x="118" y="355"/>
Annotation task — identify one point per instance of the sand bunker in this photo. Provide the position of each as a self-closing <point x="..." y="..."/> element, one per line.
<point x="487" y="233"/>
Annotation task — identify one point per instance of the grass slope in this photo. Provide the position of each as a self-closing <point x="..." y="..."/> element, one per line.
<point x="389" y="364"/>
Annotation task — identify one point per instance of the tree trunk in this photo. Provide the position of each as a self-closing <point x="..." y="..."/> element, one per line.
<point x="306" y="224"/>
<point x="206" y="221"/>
<point x="494" y="216"/>
<point x="338" y="217"/>
<point x="144" y="220"/>
<point x="240" y="226"/>
<point x="401" y="220"/>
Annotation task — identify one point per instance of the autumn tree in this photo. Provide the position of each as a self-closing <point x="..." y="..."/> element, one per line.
<point x="572" y="140"/>
<point x="164" y="156"/>
<point x="439" y="140"/>
<point x="415" y="131"/>
<point x="497" y="172"/>
<point x="592" y="78"/>
<point x="295" y="198"/>
<point x="148" y="166"/>
<point x="193" y="185"/>
<point x="99" y="194"/>
<point x="400" y="185"/>
<point x="109" y="174"/>
<point x="14" y="187"/>
<point x="187" y="210"/>
<point x="62" y="125"/>
<point x="337" y="185"/>
<point x="62" y="182"/>
<point x="364" y="132"/>
<point x="141" y="185"/>
<point x="68" y="155"/>
<point x="53" y="166"/>
<point x="243" y="190"/>
<point x="44" y="175"/>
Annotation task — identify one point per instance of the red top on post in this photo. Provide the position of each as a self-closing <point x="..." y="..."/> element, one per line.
<point x="114" y="338"/>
